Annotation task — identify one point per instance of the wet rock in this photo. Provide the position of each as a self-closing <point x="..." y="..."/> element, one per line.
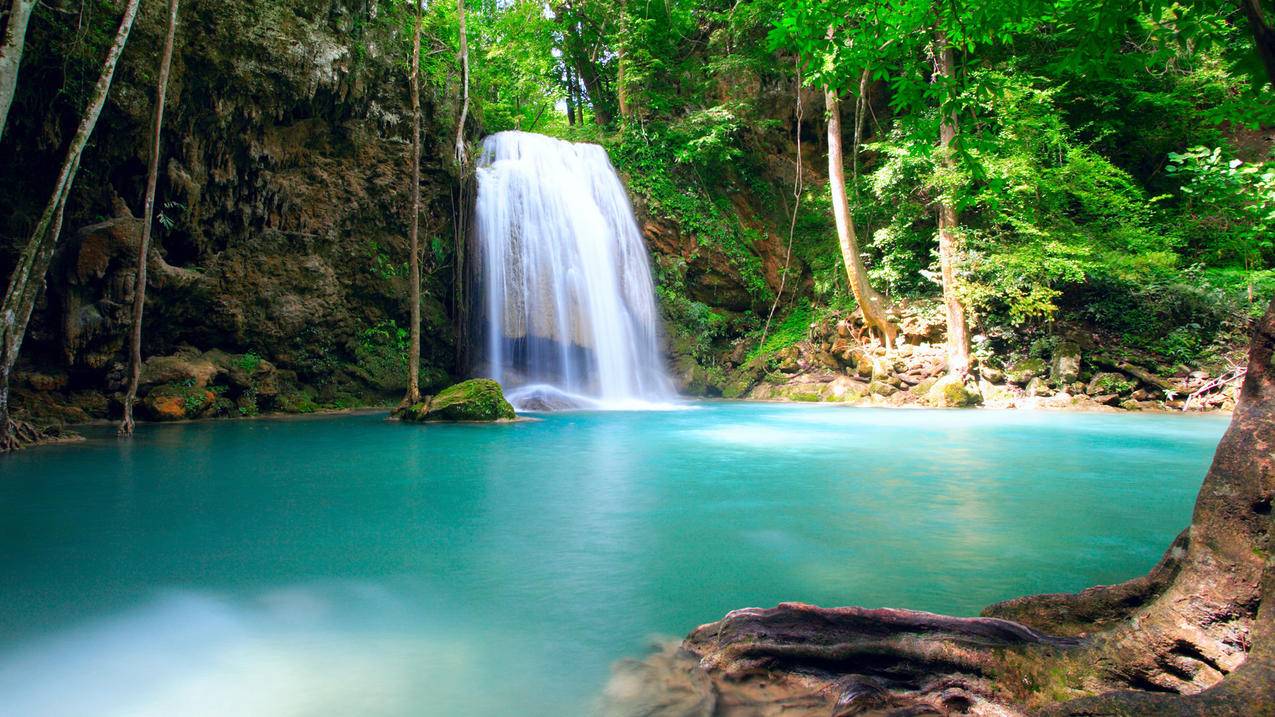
<point x="991" y="374"/>
<point x="478" y="399"/>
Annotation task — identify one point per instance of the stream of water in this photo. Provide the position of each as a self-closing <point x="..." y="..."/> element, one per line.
<point x="346" y="566"/>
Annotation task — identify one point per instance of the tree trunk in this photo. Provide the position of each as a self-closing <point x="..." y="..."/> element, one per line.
<point x="148" y="218"/>
<point x="1194" y="637"/>
<point x="958" y="338"/>
<point x="413" y="395"/>
<point x="571" y="94"/>
<point x="1263" y="35"/>
<point x="621" y="91"/>
<point x="870" y="302"/>
<point x="15" y="34"/>
<point x="28" y="276"/>
<point x="464" y="72"/>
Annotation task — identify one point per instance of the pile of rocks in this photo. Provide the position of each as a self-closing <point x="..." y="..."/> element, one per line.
<point x="838" y="363"/>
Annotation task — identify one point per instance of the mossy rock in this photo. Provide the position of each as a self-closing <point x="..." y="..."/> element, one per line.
<point x="951" y="392"/>
<point x="1022" y="372"/>
<point x="478" y="399"/>
<point x="1110" y="383"/>
<point x="174" y="402"/>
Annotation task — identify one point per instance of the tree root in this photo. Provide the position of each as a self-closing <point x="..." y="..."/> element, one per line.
<point x="21" y="434"/>
<point x="1097" y="608"/>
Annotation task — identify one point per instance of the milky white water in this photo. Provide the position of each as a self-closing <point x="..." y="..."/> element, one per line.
<point x="568" y="312"/>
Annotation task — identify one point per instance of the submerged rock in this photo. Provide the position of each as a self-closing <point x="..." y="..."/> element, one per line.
<point x="478" y="399"/>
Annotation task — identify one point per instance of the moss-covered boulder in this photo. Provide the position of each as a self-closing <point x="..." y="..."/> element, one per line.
<point x="951" y="391"/>
<point x="478" y="399"/>
<point x="1022" y="372"/>
<point x="176" y="401"/>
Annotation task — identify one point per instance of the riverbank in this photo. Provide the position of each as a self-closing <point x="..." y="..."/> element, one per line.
<point x="834" y="359"/>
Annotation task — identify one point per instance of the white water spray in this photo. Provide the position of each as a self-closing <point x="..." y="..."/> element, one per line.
<point x="568" y="306"/>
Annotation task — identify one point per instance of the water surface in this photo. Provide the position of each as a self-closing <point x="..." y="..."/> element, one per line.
<point x="347" y="566"/>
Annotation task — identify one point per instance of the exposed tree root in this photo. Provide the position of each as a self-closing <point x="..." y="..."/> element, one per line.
<point x="1196" y="636"/>
<point x="20" y="434"/>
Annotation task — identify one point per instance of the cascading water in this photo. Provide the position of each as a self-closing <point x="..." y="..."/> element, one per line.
<point x="568" y="315"/>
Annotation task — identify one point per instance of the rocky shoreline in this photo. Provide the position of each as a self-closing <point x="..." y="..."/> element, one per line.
<point x="1073" y="369"/>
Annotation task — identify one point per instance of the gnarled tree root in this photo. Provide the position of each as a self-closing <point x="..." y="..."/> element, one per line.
<point x="21" y="434"/>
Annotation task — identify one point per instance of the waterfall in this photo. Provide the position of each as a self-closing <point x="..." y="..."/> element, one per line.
<point x="567" y="315"/>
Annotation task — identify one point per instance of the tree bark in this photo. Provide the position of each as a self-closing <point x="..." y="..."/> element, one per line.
<point x="148" y="219"/>
<point x="413" y="395"/>
<point x="464" y="71"/>
<point x="28" y="276"/>
<point x="870" y="302"/>
<point x="14" y="42"/>
<point x="1263" y="35"/>
<point x="958" y="338"/>
<point x="621" y="90"/>
<point x="571" y="94"/>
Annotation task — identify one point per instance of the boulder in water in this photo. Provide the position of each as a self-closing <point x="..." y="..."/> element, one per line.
<point x="478" y="399"/>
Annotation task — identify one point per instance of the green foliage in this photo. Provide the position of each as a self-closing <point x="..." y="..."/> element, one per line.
<point x="249" y="362"/>
<point x="647" y="157"/>
<point x="794" y="329"/>
<point x="1230" y="204"/>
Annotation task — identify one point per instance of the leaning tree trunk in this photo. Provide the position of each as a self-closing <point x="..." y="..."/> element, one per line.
<point x="15" y="34"/>
<point x="464" y="72"/>
<point x="414" y="235"/>
<point x="958" y="335"/>
<point x="1196" y="636"/>
<point x="148" y="218"/>
<point x="28" y="276"/>
<point x="870" y="302"/>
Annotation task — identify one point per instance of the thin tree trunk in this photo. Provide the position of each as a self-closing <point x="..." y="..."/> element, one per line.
<point x="414" y="238"/>
<point x="15" y="34"/>
<point x="28" y="276"/>
<point x="1263" y="35"/>
<point x="870" y="302"/>
<point x="621" y="91"/>
<point x="571" y="95"/>
<point x="148" y="218"/>
<point x="464" y="71"/>
<point x="958" y="338"/>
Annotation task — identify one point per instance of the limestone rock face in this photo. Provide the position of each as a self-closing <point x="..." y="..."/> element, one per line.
<point x="478" y="399"/>
<point x="282" y="214"/>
